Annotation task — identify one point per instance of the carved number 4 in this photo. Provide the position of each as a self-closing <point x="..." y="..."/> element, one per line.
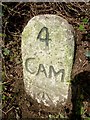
<point x="46" y="40"/>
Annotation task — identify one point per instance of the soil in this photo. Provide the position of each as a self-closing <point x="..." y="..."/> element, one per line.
<point x="15" y="102"/>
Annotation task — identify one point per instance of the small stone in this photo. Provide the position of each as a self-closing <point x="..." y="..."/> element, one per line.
<point x="47" y="54"/>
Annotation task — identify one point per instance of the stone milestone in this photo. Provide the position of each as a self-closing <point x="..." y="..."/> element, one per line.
<point x="47" y="54"/>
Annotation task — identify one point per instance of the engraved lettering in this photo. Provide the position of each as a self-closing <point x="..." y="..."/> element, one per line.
<point x="46" y="40"/>
<point x="52" y="70"/>
<point x="28" y="67"/>
<point x="41" y="69"/>
<point x="44" y="95"/>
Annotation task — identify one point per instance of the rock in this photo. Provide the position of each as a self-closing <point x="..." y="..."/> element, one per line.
<point x="47" y="54"/>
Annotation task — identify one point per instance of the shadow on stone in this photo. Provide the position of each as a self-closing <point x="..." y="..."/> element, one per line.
<point x="80" y="93"/>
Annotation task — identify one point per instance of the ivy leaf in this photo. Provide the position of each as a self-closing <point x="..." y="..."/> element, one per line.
<point x="85" y="20"/>
<point x="2" y="35"/>
<point x="82" y="110"/>
<point x="61" y="116"/>
<point x="3" y="97"/>
<point x="81" y="27"/>
<point x="6" y="51"/>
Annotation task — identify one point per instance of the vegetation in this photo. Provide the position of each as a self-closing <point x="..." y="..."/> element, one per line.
<point x="16" y="103"/>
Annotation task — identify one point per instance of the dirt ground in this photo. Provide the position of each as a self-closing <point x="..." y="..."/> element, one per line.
<point x="16" y="103"/>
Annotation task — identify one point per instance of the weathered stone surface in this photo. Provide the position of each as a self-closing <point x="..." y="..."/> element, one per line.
<point x="47" y="54"/>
